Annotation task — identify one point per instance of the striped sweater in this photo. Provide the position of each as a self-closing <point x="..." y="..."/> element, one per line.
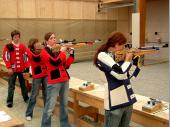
<point x="118" y="89"/>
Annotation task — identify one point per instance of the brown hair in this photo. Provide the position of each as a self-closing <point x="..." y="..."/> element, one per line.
<point x="31" y="43"/>
<point x="15" y="32"/>
<point x="113" y="39"/>
<point x="48" y="35"/>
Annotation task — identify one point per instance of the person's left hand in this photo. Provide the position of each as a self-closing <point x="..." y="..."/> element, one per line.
<point x="70" y="50"/>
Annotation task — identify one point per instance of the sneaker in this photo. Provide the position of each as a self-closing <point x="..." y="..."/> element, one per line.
<point x="9" y="105"/>
<point x="28" y="118"/>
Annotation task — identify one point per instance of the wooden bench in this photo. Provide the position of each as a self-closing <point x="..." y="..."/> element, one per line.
<point x="95" y="97"/>
<point x="13" y="122"/>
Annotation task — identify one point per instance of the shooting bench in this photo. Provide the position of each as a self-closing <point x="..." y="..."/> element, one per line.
<point x="12" y="122"/>
<point x="94" y="98"/>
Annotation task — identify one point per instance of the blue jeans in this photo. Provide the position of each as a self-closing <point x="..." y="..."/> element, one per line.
<point x="118" y="118"/>
<point x="53" y="90"/>
<point x="11" y="87"/>
<point x="34" y="92"/>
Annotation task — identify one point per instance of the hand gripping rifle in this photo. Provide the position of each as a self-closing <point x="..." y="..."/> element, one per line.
<point x="137" y="53"/>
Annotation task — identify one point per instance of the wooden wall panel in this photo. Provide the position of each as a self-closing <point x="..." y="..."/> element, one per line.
<point x="26" y="9"/>
<point x="6" y="27"/>
<point x="101" y="30"/>
<point x="28" y="29"/>
<point x="142" y="10"/>
<point x="61" y="9"/>
<point x="75" y="10"/>
<point x="75" y="30"/>
<point x="45" y="8"/>
<point x="113" y="14"/>
<point x="122" y="20"/>
<point x="101" y="16"/>
<point x="123" y="14"/>
<point x="122" y="26"/>
<point x="112" y="26"/>
<point x="89" y="10"/>
<point x="61" y="29"/>
<point x="58" y="9"/>
<point x="8" y="9"/>
<point x="89" y="32"/>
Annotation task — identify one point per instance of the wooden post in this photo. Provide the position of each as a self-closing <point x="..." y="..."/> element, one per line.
<point x="141" y="8"/>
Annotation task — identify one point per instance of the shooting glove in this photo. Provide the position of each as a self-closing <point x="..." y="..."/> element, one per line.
<point x="71" y="51"/>
<point x="137" y="61"/>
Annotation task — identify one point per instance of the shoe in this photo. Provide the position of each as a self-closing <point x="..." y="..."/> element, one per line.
<point x="28" y="118"/>
<point x="27" y="100"/>
<point x="9" y="105"/>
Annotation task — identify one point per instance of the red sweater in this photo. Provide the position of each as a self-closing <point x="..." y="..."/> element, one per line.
<point x="56" y="65"/>
<point x="15" y="57"/>
<point x="38" y="67"/>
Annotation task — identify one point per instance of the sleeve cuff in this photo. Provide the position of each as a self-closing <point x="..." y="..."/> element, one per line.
<point x="125" y="66"/>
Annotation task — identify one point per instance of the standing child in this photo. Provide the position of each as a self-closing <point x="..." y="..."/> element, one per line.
<point x="15" y="58"/>
<point x="58" y="80"/>
<point x="119" y="96"/>
<point x="39" y="74"/>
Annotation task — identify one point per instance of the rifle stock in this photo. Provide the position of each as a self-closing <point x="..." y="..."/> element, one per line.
<point x="120" y="55"/>
<point x="69" y="44"/>
<point x="137" y="51"/>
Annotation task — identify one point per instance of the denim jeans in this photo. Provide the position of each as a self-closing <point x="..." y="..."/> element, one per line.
<point x="11" y="87"/>
<point x="53" y="90"/>
<point x="118" y="118"/>
<point x="34" y="92"/>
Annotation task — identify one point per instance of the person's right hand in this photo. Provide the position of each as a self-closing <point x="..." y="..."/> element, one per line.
<point x="56" y="46"/>
<point x="63" y="48"/>
<point x="129" y="56"/>
<point x="10" y="71"/>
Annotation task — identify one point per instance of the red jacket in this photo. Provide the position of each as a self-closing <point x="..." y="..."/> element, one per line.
<point x="56" y="65"/>
<point x="15" y="57"/>
<point x="38" y="67"/>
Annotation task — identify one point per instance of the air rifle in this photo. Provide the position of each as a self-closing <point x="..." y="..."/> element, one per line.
<point x="137" y="52"/>
<point x="74" y="44"/>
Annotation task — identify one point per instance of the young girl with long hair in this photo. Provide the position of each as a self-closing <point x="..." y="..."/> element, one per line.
<point x="119" y="96"/>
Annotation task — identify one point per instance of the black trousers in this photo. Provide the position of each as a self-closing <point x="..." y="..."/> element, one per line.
<point x="11" y="87"/>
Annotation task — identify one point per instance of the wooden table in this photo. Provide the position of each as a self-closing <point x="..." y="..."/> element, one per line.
<point x="2" y="65"/>
<point x="95" y="98"/>
<point x="14" y="122"/>
<point x="3" y="70"/>
<point x="156" y="119"/>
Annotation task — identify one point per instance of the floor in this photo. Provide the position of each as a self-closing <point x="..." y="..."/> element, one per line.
<point x="152" y="81"/>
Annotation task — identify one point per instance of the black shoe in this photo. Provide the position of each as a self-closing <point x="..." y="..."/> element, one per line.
<point x="27" y="100"/>
<point x="9" y="105"/>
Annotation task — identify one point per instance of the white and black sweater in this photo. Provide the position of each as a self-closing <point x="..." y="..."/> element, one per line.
<point x="118" y="91"/>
